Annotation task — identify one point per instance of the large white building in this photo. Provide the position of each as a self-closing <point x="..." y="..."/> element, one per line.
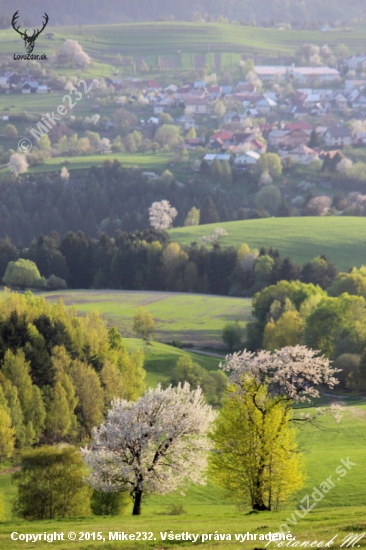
<point x="302" y="74"/>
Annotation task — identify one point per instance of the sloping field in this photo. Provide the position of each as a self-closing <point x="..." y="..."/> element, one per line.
<point x="192" y="318"/>
<point x="160" y="359"/>
<point x="342" y="239"/>
<point x="104" y="42"/>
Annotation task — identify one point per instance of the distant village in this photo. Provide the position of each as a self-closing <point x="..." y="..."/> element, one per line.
<point x="251" y="117"/>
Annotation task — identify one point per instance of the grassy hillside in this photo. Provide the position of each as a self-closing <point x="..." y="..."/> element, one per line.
<point x="160" y="359"/>
<point x="342" y="239"/>
<point x="194" y="318"/>
<point x="157" y="163"/>
<point x="180" y="41"/>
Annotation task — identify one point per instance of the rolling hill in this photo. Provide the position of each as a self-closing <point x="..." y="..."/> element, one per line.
<point x="172" y="46"/>
<point x="342" y="239"/>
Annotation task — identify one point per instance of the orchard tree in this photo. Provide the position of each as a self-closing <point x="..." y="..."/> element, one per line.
<point x="18" y="164"/>
<point x="214" y="238"/>
<point x="65" y="175"/>
<point x="256" y="453"/>
<point x="162" y="215"/>
<point x="155" y="445"/>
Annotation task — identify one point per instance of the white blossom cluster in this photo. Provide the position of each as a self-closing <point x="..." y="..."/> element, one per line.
<point x="153" y="445"/>
<point x="291" y="372"/>
<point x="214" y="238"/>
<point x="162" y="214"/>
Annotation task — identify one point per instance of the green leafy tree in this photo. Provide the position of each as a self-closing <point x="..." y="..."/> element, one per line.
<point x="90" y="396"/>
<point x="7" y="434"/>
<point x="23" y="274"/>
<point x="169" y="135"/>
<point x="59" y="417"/>
<point x="227" y="176"/>
<point x="268" y="198"/>
<point x="193" y="217"/>
<point x="271" y="163"/>
<point x="10" y="131"/>
<point x="216" y="171"/>
<point x="232" y="334"/>
<point x="213" y="384"/>
<point x="287" y="331"/>
<point x="51" y="484"/>
<point x="209" y="213"/>
<point x="256" y="456"/>
<point x="191" y="134"/>
<point x="143" y="325"/>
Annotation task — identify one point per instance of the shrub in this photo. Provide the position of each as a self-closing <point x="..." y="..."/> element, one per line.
<point x="109" y="504"/>
<point x="55" y="283"/>
<point x="51" y="484"/>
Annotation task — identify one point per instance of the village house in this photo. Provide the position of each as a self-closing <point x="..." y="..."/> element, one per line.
<point x="302" y="74"/>
<point x="338" y="136"/>
<point x="197" y="106"/>
<point x="301" y="154"/>
<point x="250" y="158"/>
<point x="356" y="62"/>
<point x="275" y="137"/>
<point x="210" y="157"/>
<point x="295" y="137"/>
<point x="187" y="122"/>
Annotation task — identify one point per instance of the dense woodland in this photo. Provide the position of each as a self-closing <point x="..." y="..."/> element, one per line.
<point x="262" y="11"/>
<point x="149" y="261"/>
<point x="105" y="199"/>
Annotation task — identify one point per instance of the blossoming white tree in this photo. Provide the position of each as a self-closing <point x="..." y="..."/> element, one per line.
<point x="65" y="175"/>
<point x="256" y="453"/>
<point x="18" y="164"/>
<point x="162" y="215"/>
<point x="154" y="445"/>
<point x="214" y="238"/>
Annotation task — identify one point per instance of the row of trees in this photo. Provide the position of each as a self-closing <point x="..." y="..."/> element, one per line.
<point x="163" y="441"/>
<point x="149" y="261"/>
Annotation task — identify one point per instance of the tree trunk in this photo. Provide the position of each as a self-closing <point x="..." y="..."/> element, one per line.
<point x="137" y="504"/>
<point x="260" y="506"/>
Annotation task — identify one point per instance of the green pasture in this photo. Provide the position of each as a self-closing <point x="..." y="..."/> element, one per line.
<point x="342" y="510"/>
<point x="191" y="318"/>
<point x="160" y="359"/>
<point x="341" y="238"/>
<point x="179" y="41"/>
<point x="151" y="162"/>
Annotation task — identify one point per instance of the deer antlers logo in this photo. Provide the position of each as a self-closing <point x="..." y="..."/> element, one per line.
<point x="29" y="41"/>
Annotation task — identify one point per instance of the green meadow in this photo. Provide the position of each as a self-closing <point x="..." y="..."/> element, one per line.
<point x="341" y="238"/>
<point x="340" y="512"/>
<point x="158" y="162"/>
<point x="192" y="318"/>
<point x="179" y="42"/>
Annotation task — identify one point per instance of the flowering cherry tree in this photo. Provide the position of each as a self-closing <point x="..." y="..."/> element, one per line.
<point x="256" y="456"/>
<point x="154" y="445"/>
<point x="291" y="374"/>
<point x="162" y="214"/>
